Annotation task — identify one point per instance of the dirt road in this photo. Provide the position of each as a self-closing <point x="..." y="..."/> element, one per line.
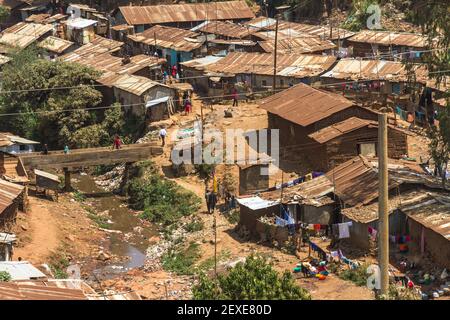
<point x="42" y="232"/>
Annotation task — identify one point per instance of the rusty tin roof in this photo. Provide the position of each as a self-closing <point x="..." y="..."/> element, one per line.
<point x="228" y="10"/>
<point x="168" y="37"/>
<point x="388" y="38"/>
<point x="304" y="105"/>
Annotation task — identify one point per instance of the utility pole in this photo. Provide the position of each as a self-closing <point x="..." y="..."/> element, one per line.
<point x="274" y="86"/>
<point x="383" y="216"/>
<point x="215" y="243"/>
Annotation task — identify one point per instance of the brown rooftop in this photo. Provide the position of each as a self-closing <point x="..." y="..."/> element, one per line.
<point x="304" y="105"/>
<point x="288" y="65"/>
<point x="297" y="45"/>
<point x="168" y="37"/>
<point x="97" y="46"/>
<point x="225" y="28"/>
<point x="228" y="10"/>
<point x="387" y="38"/>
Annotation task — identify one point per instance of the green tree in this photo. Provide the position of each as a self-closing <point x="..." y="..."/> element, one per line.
<point x="434" y="19"/>
<point x="254" y="279"/>
<point x="50" y="100"/>
<point x="4" y="13"/>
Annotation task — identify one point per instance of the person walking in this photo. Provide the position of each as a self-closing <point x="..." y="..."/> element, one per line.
<point x="66" y="149"/>
<point x="117" y="142"/>
<point x="45" y="149"/>
<point x="162" y="136"/>
<point x="235" y="97"/>
<point x="207" y="195"/>
<point x="187" y="106"/>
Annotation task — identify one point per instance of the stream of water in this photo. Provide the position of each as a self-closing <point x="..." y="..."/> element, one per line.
<point x="131" y="244"/>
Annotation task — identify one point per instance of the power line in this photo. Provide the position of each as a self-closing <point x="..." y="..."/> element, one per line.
<point x="195" y="99"/>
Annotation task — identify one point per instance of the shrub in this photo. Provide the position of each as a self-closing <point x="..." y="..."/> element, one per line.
<point x="254" y="279"/>
<point x="181" y="261"/>
<point x="358" y="276"/>
<point x="5" y="276"/>
<point x="162" y="200"/>
<point x="195" y="225"/>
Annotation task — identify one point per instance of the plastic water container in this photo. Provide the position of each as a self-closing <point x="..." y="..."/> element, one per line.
<point x="435" y="294"/>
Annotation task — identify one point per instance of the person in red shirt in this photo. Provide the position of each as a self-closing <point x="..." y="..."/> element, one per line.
<point x="117" y="142"/>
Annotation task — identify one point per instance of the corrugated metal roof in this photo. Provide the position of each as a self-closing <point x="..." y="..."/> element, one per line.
<point x="37" y="18"/>
<point x="356" y="182"/>
<point x="304" y="105"/>
<point x="297" y="45"/>
<point x="110" y="65"/>
<point x="358" y="69"/>
<point x="201" y="63"/>
<point x="8" y="193"/>
<point x="228" y="10"/>
<point x="311" y="192"/>
<point x="46" y="175"/>
<point x="23" y="34"/>
<point x="264" y="23"/>
<point x="21" y="270"/>
<point x="55" y="18"/>
<point x="80" y="23"/>
<point x="168" y="37"/>
<point x="432" y="210"/>
<point x="224" y="28"/>
<point x="37" y="291"/>
<point x="55" y="44"/>
<point x="237" y="42"/>
<point x="256" y="203"/>
<point x="133" y="84"/>
<point x="94" y="48"/>
<point x="339" y="129"/>
<point x="351" y="124"/>
<point x="390" y="38"/>
<point x="292" y="65"/>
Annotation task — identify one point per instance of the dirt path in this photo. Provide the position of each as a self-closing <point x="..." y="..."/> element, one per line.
<point x="43" y="233"/>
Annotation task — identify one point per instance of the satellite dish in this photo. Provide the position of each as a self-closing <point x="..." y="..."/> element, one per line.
<point x="74" y="12"/>
<point x="73" y="272"/>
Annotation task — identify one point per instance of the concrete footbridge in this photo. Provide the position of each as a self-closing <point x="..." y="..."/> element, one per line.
<point x="89" y="157"/>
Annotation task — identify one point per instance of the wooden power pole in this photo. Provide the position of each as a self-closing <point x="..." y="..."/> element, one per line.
<point x="383" y="216"/>
<point x="274" y="86"/>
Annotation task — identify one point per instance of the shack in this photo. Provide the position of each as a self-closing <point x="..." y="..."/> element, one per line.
<point x="175" y="45"/>
<point x="47" y="182"/>
<point x="133" y="92"/>
<point x="390" y="45"/>
<point x="21" y="271"/>
<point x="346" y="139"/>
<point x="356" y="187"/>
<point x="14" y="144"/>
<point x="55" y="47"/>
<point x="429" y="225"/>
<point x="22" y="35"/>
<point x="80" y="30"/>
<point x="11" y="195"/>
<point x="185" y="15"/>
<point x="256" y="70"/>
<point x="252" y="208"/>
<point x="302" y="110"/>
<point x="7" y="241"/>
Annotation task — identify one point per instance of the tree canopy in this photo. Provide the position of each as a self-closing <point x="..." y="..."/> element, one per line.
<point x="49" y="101"/>
<point x="254" y="279"/>
<point x="434" y="18"/>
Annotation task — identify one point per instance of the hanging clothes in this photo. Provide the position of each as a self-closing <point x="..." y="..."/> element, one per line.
<point x="372" y="232"/>
<point x="343" y="230"/>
